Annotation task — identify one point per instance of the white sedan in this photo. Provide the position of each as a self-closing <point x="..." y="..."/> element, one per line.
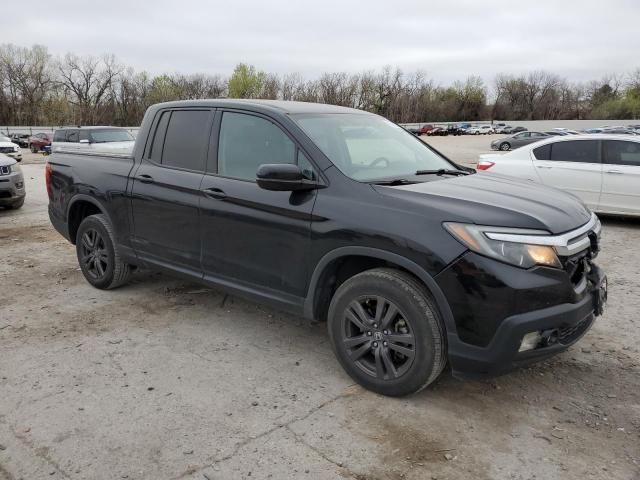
<point x="602" y="170"/>
<point x="10" y="149"/>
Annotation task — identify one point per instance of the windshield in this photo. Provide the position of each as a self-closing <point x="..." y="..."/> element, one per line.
<point x="105" y="136"/>
<point x="369" y="148"/>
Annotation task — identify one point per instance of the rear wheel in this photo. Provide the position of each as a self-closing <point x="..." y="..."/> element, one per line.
<point x="386" y="332"/>
<point x="504" y="146"/>
<point x="33" y="149"/>
<point x="98" y="255"/>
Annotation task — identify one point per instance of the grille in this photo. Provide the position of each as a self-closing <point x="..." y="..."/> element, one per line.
<point x="570" y="334"/>
<point x="578" y="266"/>
<point x="5" y="170"/>
<point x="6" y="150"/>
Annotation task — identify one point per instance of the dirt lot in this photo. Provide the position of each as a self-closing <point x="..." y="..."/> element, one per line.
<point x="163" y="379"/>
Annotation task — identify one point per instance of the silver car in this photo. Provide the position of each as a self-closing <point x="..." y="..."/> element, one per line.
<point x="12" y="190"/>
<point x="518" y="140"/>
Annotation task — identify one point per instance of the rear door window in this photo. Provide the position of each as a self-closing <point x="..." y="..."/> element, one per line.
<point x="187" y="139"/>
<point x="60" y="136"/>
<point x="620" y="152"/>
<point x="73" y="136"/>
<point x="583" y="151"/>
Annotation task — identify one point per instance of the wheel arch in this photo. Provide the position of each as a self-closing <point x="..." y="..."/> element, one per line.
<point x="321" y="279"/>
<point x="80" y="207"/>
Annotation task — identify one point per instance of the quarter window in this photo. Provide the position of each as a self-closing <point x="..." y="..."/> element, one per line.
<point x="247" y="141"/>
<point x="619" y="152"/>
<point x="543" y="152"/>
<point x="584" y="151"/>
<point x="187" y="139"/>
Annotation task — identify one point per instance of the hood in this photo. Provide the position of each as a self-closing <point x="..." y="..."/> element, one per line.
<point x="496" y="200"/>
<point x="9" y="144"/>
<point x="5" y="161"/>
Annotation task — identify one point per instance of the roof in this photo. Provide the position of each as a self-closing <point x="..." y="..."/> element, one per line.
<point x="92" y="127"/>
<point x="281" y="106"/>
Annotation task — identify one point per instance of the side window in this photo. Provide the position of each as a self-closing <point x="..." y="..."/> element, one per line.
<point x="187" y="139"/>
<point x="619" y="152"/>
<point x="84" y="135"/>
<point x="59" y="136"/>
<point x="155" y="154"/>
<point x="543" y="152"/>
<point x="521" y="135"/>
<point x="247" y="141"/>
<point x="584" y="151"/>
<point x="72" y="136"/>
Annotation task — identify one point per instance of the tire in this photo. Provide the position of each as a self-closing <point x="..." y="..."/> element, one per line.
<point x="33" y="149"/>
<point x="504" y="146"/>
<point x="415" y="329"/>
<point x="17" y="205"/>
<point x="98" y="255"/>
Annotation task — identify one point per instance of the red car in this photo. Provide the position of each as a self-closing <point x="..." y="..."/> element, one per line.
<point x="424" y="130"/>
<point x="38" y="141"/>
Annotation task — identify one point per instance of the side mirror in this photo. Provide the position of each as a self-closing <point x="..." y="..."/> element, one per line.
<point x="283" y="177"/>
<point x="84" y="140"/>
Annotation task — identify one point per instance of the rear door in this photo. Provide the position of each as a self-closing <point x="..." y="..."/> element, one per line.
<point x="166" y="189"/>
<point x="251" y="236"/>
<point x="621" y="177"/>
<point x="573" y="166"/>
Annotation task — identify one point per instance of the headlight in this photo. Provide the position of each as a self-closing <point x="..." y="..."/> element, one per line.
<point x="15" y="168"/>
<point x="524" y="255"/>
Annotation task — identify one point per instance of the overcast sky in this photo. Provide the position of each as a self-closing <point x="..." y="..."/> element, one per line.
<point x="447" y="39"/>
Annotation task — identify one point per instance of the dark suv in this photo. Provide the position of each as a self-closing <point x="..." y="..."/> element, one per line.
<point x="340" y="216"/>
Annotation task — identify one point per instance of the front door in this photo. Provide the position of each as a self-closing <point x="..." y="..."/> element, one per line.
<point x="250" y="236"/>
<point x="621" y="177"/>
<point x="166" y="190"/>
<point x="573" y="166"/>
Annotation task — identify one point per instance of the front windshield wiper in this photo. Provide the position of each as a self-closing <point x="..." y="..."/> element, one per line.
<point x="441" y="171"/>
<point x="393" y="182"/>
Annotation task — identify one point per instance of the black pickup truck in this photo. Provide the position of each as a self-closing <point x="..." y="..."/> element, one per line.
<point x="340" y="216"/>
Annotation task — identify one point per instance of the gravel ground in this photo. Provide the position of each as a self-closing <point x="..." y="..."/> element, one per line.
<point x="162" y="379"/>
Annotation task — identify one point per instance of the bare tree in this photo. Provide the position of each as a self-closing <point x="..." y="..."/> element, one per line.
<point x="87" y="81"/>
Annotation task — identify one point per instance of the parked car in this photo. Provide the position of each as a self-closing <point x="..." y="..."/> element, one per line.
<point x="7" y="147"/>
<point x="92" y="138"/>
<point x="20" y="139"/>
<point x="12" y="191"/>
<point x="338" y="215"/>
<point x="604" y="171"/>
<point x="513" y="130"/>
<point x="517" y="140"/>
<point x="438" y="132"/>
<point x="619" y="131"/>
<point x="565" y="131"/>
<point x="38" y="141"/>
<point x="502" y="129"/>
<point x="424" y="129"/>
<point x="480" y="130"/>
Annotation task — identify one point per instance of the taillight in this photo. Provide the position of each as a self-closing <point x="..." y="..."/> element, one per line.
<point x="485" y="165"/>
<point x="48" y="178"/>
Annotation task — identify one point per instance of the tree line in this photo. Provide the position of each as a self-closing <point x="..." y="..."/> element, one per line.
<point x="37" y="88"/>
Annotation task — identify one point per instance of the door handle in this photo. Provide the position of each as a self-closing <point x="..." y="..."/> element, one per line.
<point x="144" y="178"/>
<point x="544" y="166"/>
<point x="213" y="192"/>
<point x="615" y="172"/>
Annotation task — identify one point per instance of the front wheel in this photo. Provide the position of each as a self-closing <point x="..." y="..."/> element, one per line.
<point x="98" y="255"/>
<point x="504" y="146"/>
<point x="33" y="149"/>
<point x="386" y="332"/>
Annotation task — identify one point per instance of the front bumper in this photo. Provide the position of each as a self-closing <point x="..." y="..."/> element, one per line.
<point x="488" y="334"/>
<point x="15" y="155"/>
<point x="11" y="189"/>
